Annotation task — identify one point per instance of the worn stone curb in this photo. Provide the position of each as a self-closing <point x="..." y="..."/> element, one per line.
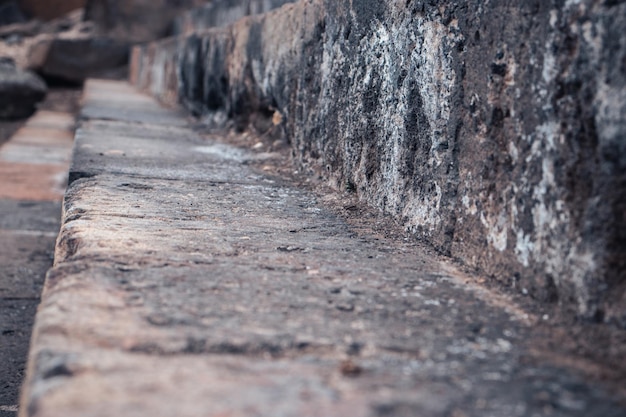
<point x="187" y="283"/>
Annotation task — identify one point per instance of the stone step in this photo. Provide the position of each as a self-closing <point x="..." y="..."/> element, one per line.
<point x="191" y="279"/>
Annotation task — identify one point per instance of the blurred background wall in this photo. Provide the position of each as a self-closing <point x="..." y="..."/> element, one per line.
<point x="49" y="9"/>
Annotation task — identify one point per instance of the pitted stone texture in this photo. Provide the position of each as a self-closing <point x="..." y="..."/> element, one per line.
<point x="227" y="286"/>
<point x="244" y="295"/>
<point x="493" y="131"/>
<point x="137" y="384"/>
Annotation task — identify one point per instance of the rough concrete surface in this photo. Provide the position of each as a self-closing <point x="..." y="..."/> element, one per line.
<point x="190" y="280"/>
<point x="33" y="168"/>
<point x="495" y="131"/>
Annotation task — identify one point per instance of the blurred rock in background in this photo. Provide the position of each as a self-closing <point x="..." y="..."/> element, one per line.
<point x="20" y="91"/>
<point x="100" y="56"/>
<point x="49" y="9"/>
<point x="10" y="13"/>
<point x="64" y="42"/>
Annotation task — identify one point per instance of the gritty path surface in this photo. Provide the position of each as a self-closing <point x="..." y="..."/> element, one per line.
<point x="188" y="283"/>
<point x="33" y="168"/>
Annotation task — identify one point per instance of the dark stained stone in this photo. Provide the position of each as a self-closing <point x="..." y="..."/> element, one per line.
<point x="10" y="13"/>
<point x="76" y="59"/>
<point x="20" y="91"/>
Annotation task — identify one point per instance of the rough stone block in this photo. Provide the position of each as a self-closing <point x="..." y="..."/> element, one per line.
<point x="78" y="58"/>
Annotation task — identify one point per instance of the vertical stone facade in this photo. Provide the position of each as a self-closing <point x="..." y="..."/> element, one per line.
<point x="137" y="20"/>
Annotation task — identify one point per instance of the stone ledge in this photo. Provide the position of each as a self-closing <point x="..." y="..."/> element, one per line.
<point x="495" y="135"/>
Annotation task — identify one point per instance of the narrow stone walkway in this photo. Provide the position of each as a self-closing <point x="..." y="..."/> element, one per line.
<point x="188" y="283"/>
<point x="33" y="168"/>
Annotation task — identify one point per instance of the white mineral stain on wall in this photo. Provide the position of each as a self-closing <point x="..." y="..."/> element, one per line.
<point x="497" y="230"/>
<point x="257" y="73"/>
<point x="470" y="206"/>
<point x="524" y="247"/>
<point x="550" y="132"/>
<point x="570" y="3"/>
<point x="419" y="49"/>
<point x="611" y="115"/>
<point x="513" y="152"/>
<point x="423" y="212"/>
<point x="9" y="408"/>
<point x="419" y="46"/>
<point x="584" y="264"/>
<point x="554" y="17"/>
<point x="549" y="70"/>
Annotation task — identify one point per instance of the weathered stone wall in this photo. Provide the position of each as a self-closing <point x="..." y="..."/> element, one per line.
<point x="495" y="131"/>
<point x="221" y="13"/>
<point x="137" y="20"/>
